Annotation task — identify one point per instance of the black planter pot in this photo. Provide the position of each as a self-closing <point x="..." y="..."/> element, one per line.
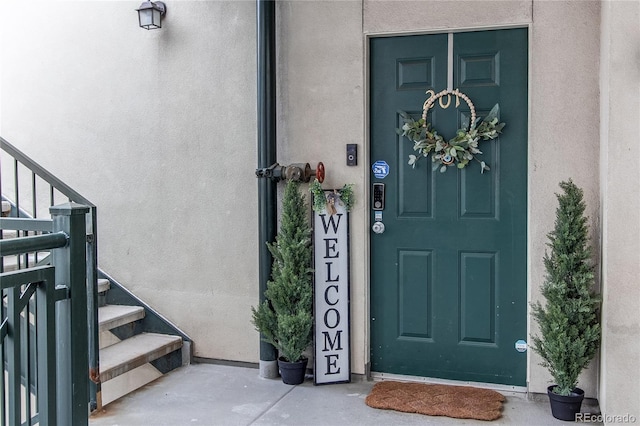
<point x="565" y="407"/>
<point x="292" y="373"/>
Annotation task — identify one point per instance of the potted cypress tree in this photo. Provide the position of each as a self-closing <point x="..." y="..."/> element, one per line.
<point x="569" y="325"/>
<point x="285" y="318"/>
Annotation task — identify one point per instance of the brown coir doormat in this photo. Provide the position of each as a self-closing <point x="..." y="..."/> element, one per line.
<point x="461" y="402"/>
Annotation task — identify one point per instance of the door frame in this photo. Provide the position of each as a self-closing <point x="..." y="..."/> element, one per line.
<point x="367" y="200"/>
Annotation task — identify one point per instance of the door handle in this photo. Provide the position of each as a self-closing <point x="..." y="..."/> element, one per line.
<point x="378" y="227"/>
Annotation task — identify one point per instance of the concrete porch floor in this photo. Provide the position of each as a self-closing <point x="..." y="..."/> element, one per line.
<point x="210" y="394"/>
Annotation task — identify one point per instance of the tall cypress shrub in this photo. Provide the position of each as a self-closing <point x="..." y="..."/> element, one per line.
<point x="285" y="318"/>
<point x="569" y="325"/>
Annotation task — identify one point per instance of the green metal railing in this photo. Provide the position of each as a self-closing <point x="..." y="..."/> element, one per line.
<point x="43" y="324"/>
<point x="24" y="181"/>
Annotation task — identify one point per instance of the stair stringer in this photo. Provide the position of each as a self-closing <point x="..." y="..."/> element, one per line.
<point x="153" y="322"/>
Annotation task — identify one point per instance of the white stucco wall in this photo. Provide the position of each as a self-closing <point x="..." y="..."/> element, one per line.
<point x="158" y="129"/>
<point x="620" y="192"/>
<point x="564" y="129"/>
<point x="321" y="109"/>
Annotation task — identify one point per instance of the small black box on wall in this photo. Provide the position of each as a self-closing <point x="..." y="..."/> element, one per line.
<point x="352" y="154"/>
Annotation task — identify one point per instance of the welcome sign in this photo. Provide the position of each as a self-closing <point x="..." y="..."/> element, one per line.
<point x="331" y="296"/>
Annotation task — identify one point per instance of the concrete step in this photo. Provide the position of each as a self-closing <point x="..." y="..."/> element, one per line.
<point x="112" y="316"/>
<point x="11" y="262"/>
<point x="128" y="382"/>
<point x="135" y="351"/>
<point x="103" y="285"/>
<point x="6" y="208"/>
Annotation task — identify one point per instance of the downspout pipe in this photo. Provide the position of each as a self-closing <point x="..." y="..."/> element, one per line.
<point x="267" y="190"/>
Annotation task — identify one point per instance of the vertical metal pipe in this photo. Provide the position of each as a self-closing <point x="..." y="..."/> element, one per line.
<point x="12" y="348"/>
<point x="266" y="120"/>
<point x="34" y="210"/>
<point x="34" y="203"/>
<point x="95" y="387"/>
<point x="17" y="188"/>
<point x="28" y="350"/>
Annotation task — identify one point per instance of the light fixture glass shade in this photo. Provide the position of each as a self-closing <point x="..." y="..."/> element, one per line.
<point x="146" y="18"/>
<point x="150" y="15"/>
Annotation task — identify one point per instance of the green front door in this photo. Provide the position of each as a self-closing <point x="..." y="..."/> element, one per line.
<point x="448" y="274"/>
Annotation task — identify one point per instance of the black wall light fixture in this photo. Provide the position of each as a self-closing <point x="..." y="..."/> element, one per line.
<point x="150" y="14"/>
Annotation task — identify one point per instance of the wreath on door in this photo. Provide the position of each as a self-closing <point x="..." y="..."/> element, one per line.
<point x="459" y="150"/>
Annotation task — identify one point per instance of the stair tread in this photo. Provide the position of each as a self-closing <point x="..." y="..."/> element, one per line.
<point x="103" y="285"/>
<point x="112" y="316"/>
<point x="134" y="352"/>
<point x="6" y="207"/>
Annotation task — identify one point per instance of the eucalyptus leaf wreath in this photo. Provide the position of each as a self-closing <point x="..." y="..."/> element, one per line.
<point x="459" y="150"/>
<point x="326" y="200"/>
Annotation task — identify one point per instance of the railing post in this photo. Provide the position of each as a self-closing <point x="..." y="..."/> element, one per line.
<point x="71" y="316"/>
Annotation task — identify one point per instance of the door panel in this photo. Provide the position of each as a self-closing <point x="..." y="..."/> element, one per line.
<point x="448" y="275"/>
